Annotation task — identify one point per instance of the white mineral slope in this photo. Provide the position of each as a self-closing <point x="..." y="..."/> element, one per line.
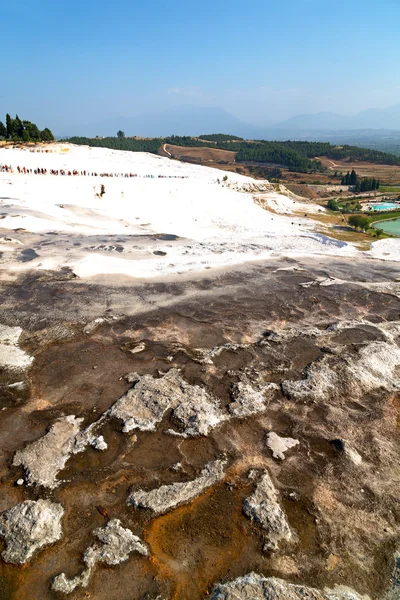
<point x="219" y="223"/>
<point x="388" y="249"/>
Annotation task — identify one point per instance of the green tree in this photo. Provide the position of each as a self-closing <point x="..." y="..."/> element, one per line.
<point x="18" y="127"/>
<point x="33" y="131"/>
<point x="3" y="130"/>
<point x="333" y="205"/>
<point x="120" y="134"/>
<point x="46" y="135"/>
<point x="359" y="222"/>
<point x="353" y="177"/>
<point x="9" y="126"/>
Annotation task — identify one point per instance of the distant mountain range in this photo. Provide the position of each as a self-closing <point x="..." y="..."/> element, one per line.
<point x="184" y="120"/>
<point x="377" y="126"/>
<point x="373" y="118"/>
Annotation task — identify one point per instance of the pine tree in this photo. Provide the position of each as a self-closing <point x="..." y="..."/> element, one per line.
<point x="3" y="130"/>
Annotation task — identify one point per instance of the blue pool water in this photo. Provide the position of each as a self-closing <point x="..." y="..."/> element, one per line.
<point x="385" y="206"/>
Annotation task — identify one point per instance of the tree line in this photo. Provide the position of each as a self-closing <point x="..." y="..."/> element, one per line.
<point x="120" y="143"/>
<point x="219" y="137"/>
<point x="295" y="156"/>
<point x="19" y="130"/>
<point x="364" y="184"/>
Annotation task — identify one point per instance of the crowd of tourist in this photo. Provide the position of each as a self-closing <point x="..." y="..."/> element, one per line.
<point x="75" y="172"/>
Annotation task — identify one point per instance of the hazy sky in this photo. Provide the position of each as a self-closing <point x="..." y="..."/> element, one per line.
<point x="70" y="62"/>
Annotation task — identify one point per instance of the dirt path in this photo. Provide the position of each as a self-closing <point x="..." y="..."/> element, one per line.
<point x="166" y="151"/>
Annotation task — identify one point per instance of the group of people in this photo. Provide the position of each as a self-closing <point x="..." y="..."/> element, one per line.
<point x="74" y="172"/>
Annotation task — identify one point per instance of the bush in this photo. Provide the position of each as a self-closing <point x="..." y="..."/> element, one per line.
<point x="359" y="222"/>
<point x="333" y="205"/>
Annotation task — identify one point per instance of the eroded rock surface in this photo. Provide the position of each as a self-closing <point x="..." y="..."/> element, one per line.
<point x="257" y="587"/>
<point x="249" y="399"/>
<point x="28" y="527"/>
<point x="263" y="507"/>
<point x="166" y="497"/>
<point x="144" y="405"/>
<point x="118" y="544"/>
<point x="11" y="355"/>
<point x="44" y="458"/>
<point x="260" y="332"/>
<point x="375" y="366"/>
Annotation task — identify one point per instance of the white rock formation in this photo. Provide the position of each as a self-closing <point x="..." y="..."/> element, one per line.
<point x="144" y="405"/>
<point x="375" y="366"/>
<point x="99" y="443"/>
<point x="29" y="526"/>
<point x="11" y="355"/>
<point x="44" y="458"/>
<point x="279" y="445"/>
<point x="257" y="587"/>
<point x="263" y="508"/>
<point x="117" y="545"/>
<point x="166" y="497"/>
<point x="250" y="400"/>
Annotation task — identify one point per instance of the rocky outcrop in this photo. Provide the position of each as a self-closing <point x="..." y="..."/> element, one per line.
<point x="279" y="445"/>
<point x="11" y="355"/>
<point x="99" y="443"/>
<point x="257" y="587"/>
<point x="375" y="366"/>
<point x="263" y="508"/>
<point x="28" y="527"/>
<point x="166" y="497"/>
<point x="249" y="399"/>
<point x="118" y="544"/>
<point x="195" y="411"/>
<point x="44" y="458"/>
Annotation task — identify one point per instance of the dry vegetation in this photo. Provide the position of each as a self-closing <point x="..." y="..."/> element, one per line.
<point x="201" y="155"/>
<point x="387" y="174"/>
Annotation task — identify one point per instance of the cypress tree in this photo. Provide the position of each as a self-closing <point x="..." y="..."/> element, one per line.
<point x="18" y="128"/>
<point x="3" y="130"/>
<point x="9" y="126"/>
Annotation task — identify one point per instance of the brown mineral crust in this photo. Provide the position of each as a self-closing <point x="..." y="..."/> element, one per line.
<point x="259" y="326"/>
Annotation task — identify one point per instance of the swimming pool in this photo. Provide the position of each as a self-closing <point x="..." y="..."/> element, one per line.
<point x="385" y="206"/>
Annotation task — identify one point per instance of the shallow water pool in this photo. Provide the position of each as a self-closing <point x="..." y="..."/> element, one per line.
<point x="392" y="226"/>
<point x="385" y="206"/>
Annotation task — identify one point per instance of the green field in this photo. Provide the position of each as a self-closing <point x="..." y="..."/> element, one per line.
<point x="388" y="214"/>
<point x="389" y="189"/>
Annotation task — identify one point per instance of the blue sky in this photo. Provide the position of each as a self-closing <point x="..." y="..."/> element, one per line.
<point x="66" y="63"/>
